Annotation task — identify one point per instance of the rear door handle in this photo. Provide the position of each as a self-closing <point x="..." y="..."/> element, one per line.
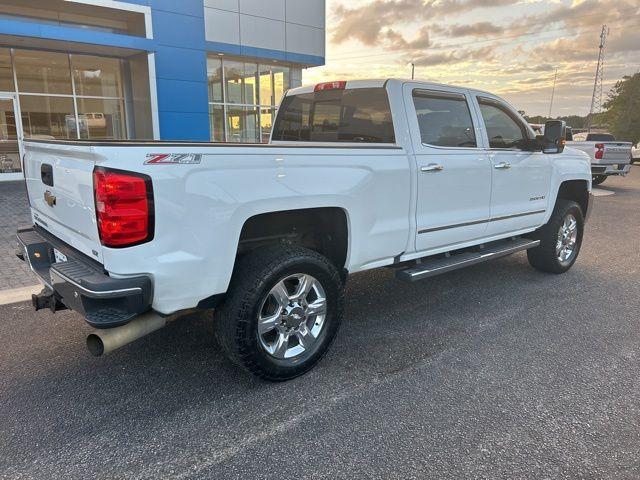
<point x="502" y="166"/>
<point x="432" y="167"/>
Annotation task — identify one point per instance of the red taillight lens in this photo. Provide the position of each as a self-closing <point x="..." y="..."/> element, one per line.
<point x="330" y="86"/>
<point x="124" y="207"/>
<point x="599" y="151"/>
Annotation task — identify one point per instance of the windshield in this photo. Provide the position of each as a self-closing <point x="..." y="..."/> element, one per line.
<point x="353" y="115"/>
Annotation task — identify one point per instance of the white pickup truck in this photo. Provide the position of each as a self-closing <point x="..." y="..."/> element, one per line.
<point x="608" y="156"/>
<point x="417" y="177"/>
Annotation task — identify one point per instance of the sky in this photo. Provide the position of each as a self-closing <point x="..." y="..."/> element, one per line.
<point x="508" y="47"/>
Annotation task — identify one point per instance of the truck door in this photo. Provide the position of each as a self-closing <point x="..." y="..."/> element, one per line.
<point x="520" y="183"/>
<point x="453" y="171"/>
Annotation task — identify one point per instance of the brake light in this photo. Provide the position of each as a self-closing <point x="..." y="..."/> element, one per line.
<point x="124" y="207"/>
<point x="599" y="151"/>
<point x="321" y="87"/>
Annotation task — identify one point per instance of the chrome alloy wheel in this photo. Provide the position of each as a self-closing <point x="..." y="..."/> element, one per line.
<point x="567" y="239"/>
<point x="292" y="316"/>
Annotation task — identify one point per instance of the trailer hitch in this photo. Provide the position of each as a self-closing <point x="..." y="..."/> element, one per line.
<point x="47" y="299"/>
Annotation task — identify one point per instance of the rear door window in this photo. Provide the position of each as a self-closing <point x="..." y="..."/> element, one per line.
<point x="352" y="115"/>
<point x="600" y="137"/>
<point x="444" y="119"/>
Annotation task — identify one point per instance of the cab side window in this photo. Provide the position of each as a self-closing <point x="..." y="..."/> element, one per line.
<point x="444" y="119"/>
<point x="504" y="131"/>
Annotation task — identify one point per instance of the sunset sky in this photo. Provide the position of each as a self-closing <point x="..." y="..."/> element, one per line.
<point x="508" y="47"/>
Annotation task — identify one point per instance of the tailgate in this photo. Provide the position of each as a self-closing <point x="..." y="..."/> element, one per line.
<point x="60" y="187"/>
<point x="616" y="152"/>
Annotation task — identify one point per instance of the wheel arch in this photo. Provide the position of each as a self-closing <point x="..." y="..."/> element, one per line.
<point x="322" y="229"/>
<point x="576" y="191"/>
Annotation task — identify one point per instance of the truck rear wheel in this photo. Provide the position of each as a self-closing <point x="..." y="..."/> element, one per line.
<point x="283" y="310"/>
<point x="598" y="179"/>
<point x="560" y="239"/>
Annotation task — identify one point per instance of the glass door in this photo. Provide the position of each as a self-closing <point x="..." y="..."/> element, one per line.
<point x="10" y="141"/>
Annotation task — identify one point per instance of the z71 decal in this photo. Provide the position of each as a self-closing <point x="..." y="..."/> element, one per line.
<point x="173" y="158"/>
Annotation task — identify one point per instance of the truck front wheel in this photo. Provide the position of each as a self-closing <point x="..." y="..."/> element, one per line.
<point x="560" y="239"/>
<point x="283" y="309"/>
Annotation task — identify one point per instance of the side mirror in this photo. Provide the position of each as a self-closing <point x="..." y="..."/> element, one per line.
<point x="554" y="136"/>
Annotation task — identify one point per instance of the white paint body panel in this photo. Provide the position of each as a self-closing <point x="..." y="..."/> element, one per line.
<point x="614" y="152"/>
<point x="200" y="209"/>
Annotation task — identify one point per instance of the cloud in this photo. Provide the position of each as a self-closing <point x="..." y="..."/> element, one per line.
<point x="479" y="29"/>
<point x="367" y="22"/>
<point x="485" y="54"/>
<point x="513" y="51"/>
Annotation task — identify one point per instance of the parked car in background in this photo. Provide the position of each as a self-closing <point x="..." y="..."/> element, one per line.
<point x="417" y="177"/>
<point x="608" y="156"/>
<point x="635" y="153"/>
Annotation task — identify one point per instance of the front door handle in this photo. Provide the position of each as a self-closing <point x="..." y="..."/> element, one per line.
<point x="432" y="167"/>
<point x="502" y="166"/>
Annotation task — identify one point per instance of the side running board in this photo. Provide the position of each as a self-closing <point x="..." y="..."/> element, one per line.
<point x="431" y="268"/>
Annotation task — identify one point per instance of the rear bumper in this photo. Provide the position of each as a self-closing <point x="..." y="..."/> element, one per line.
<point x="79" y="283"/>
<point x="620" y="169"/>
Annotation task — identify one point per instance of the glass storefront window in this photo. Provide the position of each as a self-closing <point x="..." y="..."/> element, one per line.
<point x="43" y="72"/>
<point x="266" y="121"/>
<point x="214" y="75"/>
<point x="281" y="82"/>
<point x="97" y="76"/>
<point x="47" y="117"/>
<point x="241" y="83"/>
<point x="250" y="83"/>
<point x="101" y="118"/>
<point x="242" y="124"/>
<point x="216" y="122"/>
<point x="6" y="71"/>
<point x="266" y="86"/>
<point x="243" y="98"/>
<point x="9" y="148"/>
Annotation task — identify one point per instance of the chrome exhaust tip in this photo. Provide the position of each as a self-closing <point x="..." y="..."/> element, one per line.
<point x="101" y="342"/>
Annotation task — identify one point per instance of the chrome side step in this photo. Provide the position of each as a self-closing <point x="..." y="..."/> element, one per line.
<point x="431" y="268"/>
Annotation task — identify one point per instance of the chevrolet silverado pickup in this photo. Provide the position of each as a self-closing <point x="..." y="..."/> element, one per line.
<point x="608" y="156"/>
<point x="416" y="177"/>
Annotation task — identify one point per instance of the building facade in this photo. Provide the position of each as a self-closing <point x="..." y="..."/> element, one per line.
<point x="204" y="70"/>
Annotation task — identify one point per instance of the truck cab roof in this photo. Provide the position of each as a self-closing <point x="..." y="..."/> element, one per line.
<point x="380" y="83"/>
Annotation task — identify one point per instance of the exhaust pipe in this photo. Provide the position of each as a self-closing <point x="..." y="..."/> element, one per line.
<point x="101" y="342"/>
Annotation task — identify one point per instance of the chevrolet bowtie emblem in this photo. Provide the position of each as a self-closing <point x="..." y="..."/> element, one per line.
<point x="50" y="198"/>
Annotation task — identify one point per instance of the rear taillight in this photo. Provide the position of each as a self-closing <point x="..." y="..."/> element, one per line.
<point x="599" y="151"/>
<point x="321" y="87"/>
<point x="124" y="207"/>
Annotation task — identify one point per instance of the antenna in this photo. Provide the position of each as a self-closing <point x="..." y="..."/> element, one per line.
<point x="553" y="92"/>
<point x="596" y="98"/>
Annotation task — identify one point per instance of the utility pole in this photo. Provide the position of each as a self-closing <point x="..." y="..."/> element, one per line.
<point x="596" y="98"/>
<point x="553" y="92"/>
<point x="413" y="71"/>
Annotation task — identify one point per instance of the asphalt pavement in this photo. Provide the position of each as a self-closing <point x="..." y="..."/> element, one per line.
<point x="496" y="371"/>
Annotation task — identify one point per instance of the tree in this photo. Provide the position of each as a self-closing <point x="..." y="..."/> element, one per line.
<point x="622" y="109"/>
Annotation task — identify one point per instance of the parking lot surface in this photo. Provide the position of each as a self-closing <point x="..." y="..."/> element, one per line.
<point x="14" y="213"/>
<point x="496" y="371"/>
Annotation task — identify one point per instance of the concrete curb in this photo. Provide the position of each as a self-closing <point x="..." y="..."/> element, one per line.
<point x="18" y="294"/>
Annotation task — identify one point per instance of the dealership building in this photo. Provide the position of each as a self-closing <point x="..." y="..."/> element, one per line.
<point x="204" y="70"/>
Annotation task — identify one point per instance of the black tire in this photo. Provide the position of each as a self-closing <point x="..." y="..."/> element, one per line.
<point x="236" y="320"/>
<point x="598" y="179"/>
<point x="545" y="256"/>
